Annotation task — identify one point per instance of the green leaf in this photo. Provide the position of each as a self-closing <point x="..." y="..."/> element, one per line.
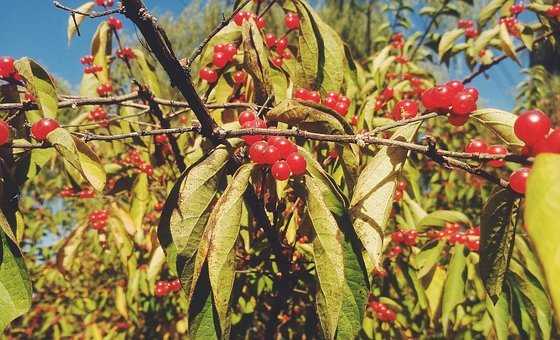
<point x="256" y="61"/>
<point x="448" y="40"/>
<point x="454" y="288"/>
<point x="372" y="201"/>
<point x="40" y="83"/>
<point x="310" y="117"/>
<point x="528" y="36"/>
<point x="79" y="155"/>
<point x="139" y="201"/>
<point x="500" y="316"/>
<point x="542" y="209"/>
<point x="440" y="217"/>
<point x="434" y="291"/>
<point x="15" y="285"/>
<point x="500" y="123"/>
<point x="497" y="233"/>
<point x="329" y="260"/>
<point x="335" y="200"/>
<point x="72" y="29"/>
<point x="490" y="10"/>
<point x="66" y="253"/>
<point x="225" y="220"/>
<point x="321" y="50"/>
<point x="101" y="49"/>
<point x="507" y="43"/>
<point x="484" y="39"/>
<point x="429" y="257"/>
<point x="148" y="73"/>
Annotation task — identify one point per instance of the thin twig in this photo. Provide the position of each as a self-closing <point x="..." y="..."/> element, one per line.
<point x="91" y="14"/>
<point x="428" y="29"/>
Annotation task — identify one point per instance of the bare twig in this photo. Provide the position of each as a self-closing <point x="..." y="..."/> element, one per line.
<point x="91" y="14"/>
<point x="428" y="29"/>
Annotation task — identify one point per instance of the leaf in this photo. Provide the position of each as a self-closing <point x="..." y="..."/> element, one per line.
<point x="40" y="83"/>
<point x="101" y="49"/>
<point x="500" y="315"/>
<point x="335" y="200"/>
<point x="434" y="291"/>
<point x="329" y="260"/>
<point x="507" y="43"/>
<point x="229" y="34"/>
<point x="440" y="217"/>
<point x="542" y="209"/>
<point x="79" y="155"/>
<point x="488" y="11"/>
<point x="429" y="257"/>
<point x="156" y="264"/>
<point x="225" y="221"/>
<point x="256" y="61"/>
<point x="497" y="233"/>
<point x="454" y="288"/>
<point x="140" y="197"/>
<point x="85" y="8"/>
<point x="120" y="302"/>
<point x="148" y="73"/>
<point x="66" y="254"/>
<point x="500" y="123"/>
<point x="448" y="40"/>
<point x="310" y="117"/>
<point x="481" y="43"/>
<point x="372" y="201"/>
<point x="321" y="50"/>
<point x="15" y="284"/>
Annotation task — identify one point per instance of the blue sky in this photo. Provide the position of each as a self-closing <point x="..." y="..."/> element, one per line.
<point x="37" y="29"/>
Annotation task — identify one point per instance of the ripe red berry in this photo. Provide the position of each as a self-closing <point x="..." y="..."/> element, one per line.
<point x="270" y="40"/>
<point x="297" y="163"/>
<point x="471" y="32"/>
<point x="261" y="23"/>
<point x="86" y="60"/>
<point x="271" y="154"/>
<point x="230" y="50"/>
<point x="7" y="68"/>
<point x="341" y="108"/>
<point x="4" y="132"/>
<point x="208" y="74"/>
<point x="291" y="20"/>
<point x="281" y="45"/>
<point x="387" y="93"/>
<point x="397" y="236"/>
<point x="430" y="100"/>
<point x="239" y="77"/>
<point x="162" y="288"/>
<point x="161" y="139"/>
<point x="175" y="285"/>
<point x="550" y="144"/>
<point x="330" y="102"/>
<point x="532" y="126"/>
<point x="517" y="9"/>
<point x="457" y="120"/>
<point x="257" y="152"/>
<point x="497" y="150"/>
<point x="454" y="87"/>
<point x="518" y="180"/>
<point x="476" y="146"/>
<point x="401" y="185"/>
<point x="472" y="91"/>
<point x="115" y="23"/>
<point x="281" y="170"/>
<point x="314" y="96"/>
<point x="285" y="147"/>
<point x="277" y="61"/>
<point x="43" y="127"/>
<point x="220" y="60"/>
<point x="246" y="116"/>
<point x="463" y="104"/>
<point x="250" y="139"/>
<point x="465" y="23"/>
<point x="301" y="94"/>
<point x="240" y="17"/>
<point x="405" y="109"/>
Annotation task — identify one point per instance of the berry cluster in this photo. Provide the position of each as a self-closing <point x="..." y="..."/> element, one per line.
<point x="406" y="237"/>
<point x="98" y="219"/>
<point x="240" y="17"/>
<point x="335" y="101"/>
<point x="105" y="3"/>
<point x="4" y="132"/>
<point x="517" y="9"/>
<point x="164" y="288"/>
<point x="382" y="312"/>
<point x="554" y="11"/>
<point x="134" y="159"/>
<point x="239" y="77"/>
<point x="452" y="232"/>
<point x="126" y="53"/>
<point x="159" y="206"/>
<point x="479" y="146"/>
<point x="115" y="23"/>
<point x="471" y="32"/>
<point x="163" y="142"/>
<point x="399" y="192"/>
<point x="99" y="115"/>
<point x="89" y="67"/>
<point x="511" y="25"/>
<point x="104" y="90"/>
<point x="452" y="97"/>
<point x="397" y="41"/>
<point x="223" y="54"/>
<point x="7" y="68"/>
<point x="41" y="128"/>
<point x="405" y="109"/>
<point x="68" y="191"/>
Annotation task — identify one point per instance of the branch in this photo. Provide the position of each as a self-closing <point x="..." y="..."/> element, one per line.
<point x="429" y="28"/>
<point x="223" y="23"/>
<point x="496" y="60"/>
<point x="157" y="40"/>
<point x="91" y="14"/>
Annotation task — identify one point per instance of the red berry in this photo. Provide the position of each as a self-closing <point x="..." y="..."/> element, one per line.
<point x="476" y="146"/>
<point x="458" y="120"/>
<point x="387" y="93"/>
<point x="220" y="60"/>
<point x="270" y="40"/>
<point x="472" y="91"/>
<point x="471" y="32"/>
<point x="405" y="109"/>
<point x="454" y="87"/>
<point x="158" y="206"/>
<point x="271" y="154"/>
<point x="314" y="96"/>
<point x="341" y="108"/>
<point x="465" y="23"/>
<point x="297" y="163"/>
<point x="301" y="94"/>
<point x="291" y="20"/>
<point x="531" y="126"/>
<point x="240" y="17"/>
<point x="281" y="45"/>
<point x="162" y="288"/>
<point x="401" y="185"/>
<point x="115" y="23"/>
<point x="208" y="74"/>
<point x="281" y="170"/>
<point x="239" y="77"/>
<point x="518" y="180"/>
<point x="285" y="147"/>
<point x="497" y="150"/>
<point x="230" y="51"/>
<point x="175" y="285"/>
<point x="43" y="127"/>
<point x="517" y="9"/>
<point x="7" y="68"/>
<point x="430" y="100"/>
<point x="86" y="60"/>
<point x="161" y="139"/>
<point x="257" y="152"/>
<point x="330" y="102"/>
<point x="261" y="23"/>
<point x="397" y="236"/>
<point x="463" y="104"/>
<point x="250" y="139"/>
<point x="277" y="61"/>
<point x="4" y="132"/>
<point x="550" y="144"/>
<point x="246" y="116"/>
